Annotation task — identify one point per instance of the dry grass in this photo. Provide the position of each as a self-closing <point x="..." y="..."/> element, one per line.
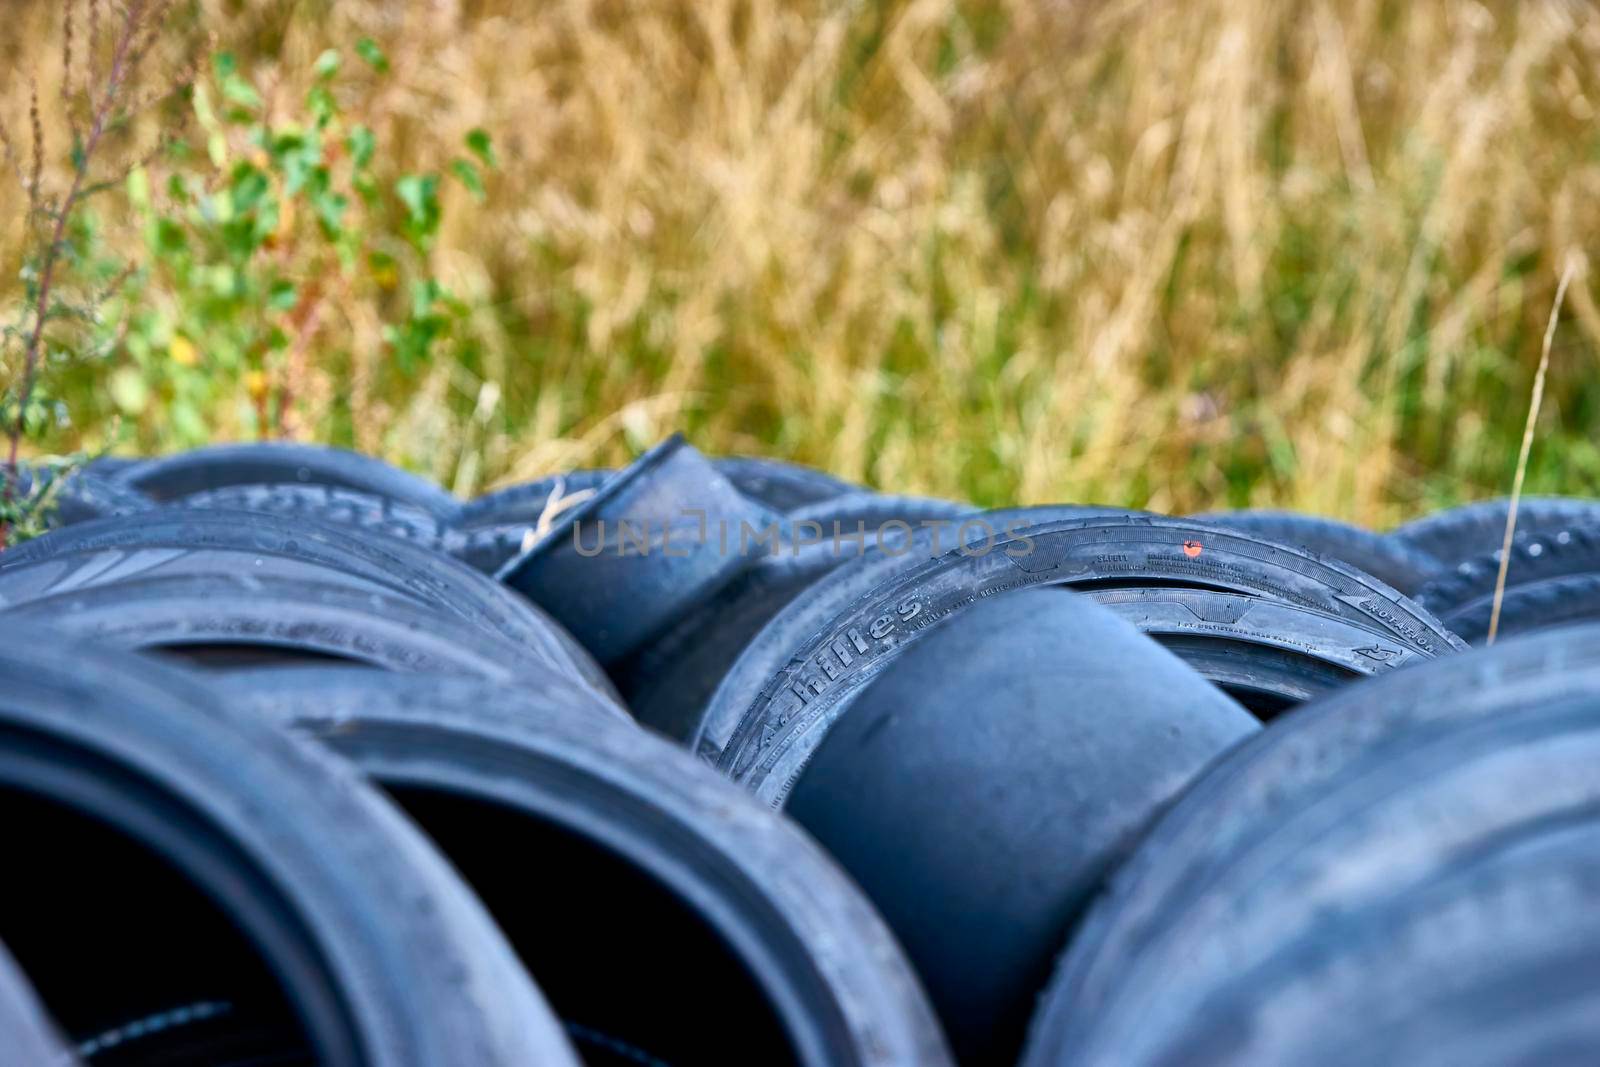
<point x="1173" y="254"/>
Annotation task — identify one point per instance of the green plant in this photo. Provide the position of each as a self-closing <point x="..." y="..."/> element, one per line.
<point x="274" y="235"/>
<point x="66" y="278"/>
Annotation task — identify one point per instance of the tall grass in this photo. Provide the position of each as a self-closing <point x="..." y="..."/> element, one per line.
<point x="1173" y="254"/>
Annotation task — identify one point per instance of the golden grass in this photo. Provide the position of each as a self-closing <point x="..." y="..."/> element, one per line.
<point x="1174" y="254"/>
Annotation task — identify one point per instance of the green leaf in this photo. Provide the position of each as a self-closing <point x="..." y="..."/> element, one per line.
<point x="479" y="144"/>
<point x="129" y="390"/>
<point x="362" y="144"/>
<point x="368" y="50"/>
<point x="327" y="64"/>
<point x="281" y="296"/>
<point x="420" y="194"/>
<point x="469" y="176"/>
<point x="321" y="104"/>
<point x="240" y="92"/>
<point x="247" y="187"/>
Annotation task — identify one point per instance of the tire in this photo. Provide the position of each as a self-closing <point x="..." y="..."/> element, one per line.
<point x="672" y="517"/>
<point x="83" y="496"/>
<point x="222" y="466"/>
<point x="825" y="587"/>
<point x="1391" y="560"/>
<point x="1345" y="804"/>
<point x="1536" y="578"/>
<point x="1458" y="534"/>
<point x="26" y="1031"/>
<point x="1531" y="608"/>
<point x="228" y="621"/>
<point x="1490" y="963"/>
<point x="660" y="862"/>
<point x="669" y="683"/>
<point x="781" y="486"/>
<point x="522" y="505"/>
<point x="366" y="512"/>
<point x="1006" y="762"/>
<point x="795" y="707"/>
<point x="180" y="541"/>
<point x="159" y="843"/>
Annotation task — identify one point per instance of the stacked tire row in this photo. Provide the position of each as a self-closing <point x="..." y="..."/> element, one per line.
<point x="726" y="761"/>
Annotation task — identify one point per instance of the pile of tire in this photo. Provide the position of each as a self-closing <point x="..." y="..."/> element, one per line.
<point x="705" y="761"/>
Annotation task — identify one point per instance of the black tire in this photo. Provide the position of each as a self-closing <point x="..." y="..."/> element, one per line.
<point x="1530" y="608"/>
<point x="26" y="1032"/>
<point x="778" y="730"/>
<point x="82" y="496"/>
<point x="226" y="621"/>
<point x="1458" y="534"/>
<point x="1489" y="963"/>
<point x="825" y="586"/>
<point x="1536" y="577"/>
<point x="781" y="486"/>
<point x="783" y="943"/>
<point x="1268" y="655"/>
<point x="1389" y="559"/>
<point x="221" y="466"/>
<point x="177" y="541"/>
<point x="670" y="682"/>
<point x="522" y="505"/>
<point x="1343" y="804"/>
<point x="981" y="789"/>
<point x="159" y="843"/>
<point x="362" y="511"/>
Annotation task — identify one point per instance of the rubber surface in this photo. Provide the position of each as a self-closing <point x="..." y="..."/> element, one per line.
<point x="26" y="1032"/>
<point x="522" y="505"/>
<point x="366" y="512"/>
<point x="1462" y="533"/>
<point x="245" y="618"/>
<point x="1391" y="560"/>
<point x="1546" y="581"/>
<point x="1345" y="804"/>
<point x="814" y="949"/>
<point x="85" y="495"/>
<point x="669" y="683"/>
<point x="778" y="485"/>
<point x="177" y="541"/>
<point x="795" y="707"/>
<point x="664" y="536"/>
<point x="386" y="957"/>
<point x="826" y="586"/>
<point x="981" y="788"/>
<point x="220" y="466"/>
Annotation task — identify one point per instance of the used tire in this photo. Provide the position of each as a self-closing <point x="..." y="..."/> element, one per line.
<point x="26" y="1032"/>
<point x="227" y="621"/>
<point x="362" y="511"/>
<point x="176" y="541"/>
<point x="795" y="707"/>
<point x="635" y="859"/>
<point x="1490" y="963"/>
<point x="522" y="505"/>
<point x="1458" y="534"/>
<point x="161" y="845"/>
<point x="669" y="683"/>
<point x="781" y="486"/>
<point x="81" y="495"/>
<point x="1547" y="580"/>
<point x="1347" y="804"/>
<point x="824" y="588"/>
<point x="220" y="466"/>
<point x="981" y="788"/>
<point x="1391" y="560"/>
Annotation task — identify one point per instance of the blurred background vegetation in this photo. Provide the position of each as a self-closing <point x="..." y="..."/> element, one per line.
<point x="1177" y="254"/>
